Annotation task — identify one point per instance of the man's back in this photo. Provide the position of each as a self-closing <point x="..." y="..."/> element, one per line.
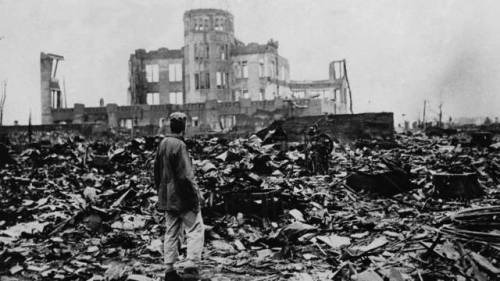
<point x="174" y="176"/>
<point x="179" y="197"/>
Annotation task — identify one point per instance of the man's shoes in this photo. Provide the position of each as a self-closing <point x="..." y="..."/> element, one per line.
<point x="191" y="274"/>
<point x="172" y="276"/>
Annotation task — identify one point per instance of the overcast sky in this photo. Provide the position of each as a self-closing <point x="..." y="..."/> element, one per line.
<point x="398" y="52"/>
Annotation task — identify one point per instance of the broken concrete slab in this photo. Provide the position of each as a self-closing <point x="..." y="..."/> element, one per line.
<point x="449" y="185"/>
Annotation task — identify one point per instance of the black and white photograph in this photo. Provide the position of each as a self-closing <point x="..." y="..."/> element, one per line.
<point x="258" y="140"/>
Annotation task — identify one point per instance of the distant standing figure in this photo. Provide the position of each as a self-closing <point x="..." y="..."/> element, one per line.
<point x="179" y="198"/>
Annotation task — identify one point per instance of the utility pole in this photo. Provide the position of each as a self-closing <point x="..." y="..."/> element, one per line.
<point x="404" y="121"/>
<point x="440" y="124"/>
<point x="423" y="115"/>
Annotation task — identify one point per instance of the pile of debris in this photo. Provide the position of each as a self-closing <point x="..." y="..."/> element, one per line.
<point x="84" y="209"/>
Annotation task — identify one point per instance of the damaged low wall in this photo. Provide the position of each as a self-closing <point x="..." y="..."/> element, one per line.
<point x="87" y="129"/>
<point x="345" y="127"/>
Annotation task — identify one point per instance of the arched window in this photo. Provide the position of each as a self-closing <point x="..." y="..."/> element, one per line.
<point x="222" y="24"/>
<point x="219" y="24"/>
<point x="203" y="24"/>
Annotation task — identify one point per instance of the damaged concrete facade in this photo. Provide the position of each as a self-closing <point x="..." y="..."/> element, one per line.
<point x="51" y="94"/>
<point x="221" y="83"/>
<point x="335" y="91"/>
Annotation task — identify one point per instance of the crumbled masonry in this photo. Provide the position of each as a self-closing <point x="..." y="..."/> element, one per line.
<point x="74" y="208"/>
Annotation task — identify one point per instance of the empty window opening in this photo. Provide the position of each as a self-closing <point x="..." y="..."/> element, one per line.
<point x="219" y="24"/>
<point x="245" y="94"/>
<point x="153" y="98"/>
<point x="56" y="99"/>
<point x="201" y="51"/>
<point x="261" y="68"/>
<point x="202" y="80"/>
<point x="175" y="72"/>
<point x="272" y="69"/>
<point x="244" y="69"/>
<point x="218" y="78"/>
<point x="194" y="121"/>
<point x="201" y="24"/>
<point x="196" y="24"/>
<point x="228" y="121"/>
<point x="216" y="24"/>
<point x="126" y="123"/>
<point x="152" y="73"/>
<point x="221" y="79"/>
<point x="175" y="98"/>
<point x="206" y="84"/>
<point x="237" y="70"/>
<point x="197" y="51"/>
<point x="260" y="95"/>
<point x="236" y="95"/>
<point x="224" y="52"/>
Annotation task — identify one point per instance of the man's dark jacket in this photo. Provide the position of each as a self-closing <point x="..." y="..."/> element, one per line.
<point x="174" y="177"/>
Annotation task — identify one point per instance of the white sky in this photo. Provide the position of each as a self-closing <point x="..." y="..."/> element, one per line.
<point x="398" y="52"/>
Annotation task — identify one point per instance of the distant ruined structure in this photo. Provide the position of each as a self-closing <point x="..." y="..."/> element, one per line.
<point x="51" y="94"/>
<point x="221" y="83"/>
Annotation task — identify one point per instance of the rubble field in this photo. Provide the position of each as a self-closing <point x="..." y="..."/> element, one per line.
<point x="422" y="208"/>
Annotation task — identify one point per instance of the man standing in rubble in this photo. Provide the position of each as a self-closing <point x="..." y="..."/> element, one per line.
<point x="179" y="198"/>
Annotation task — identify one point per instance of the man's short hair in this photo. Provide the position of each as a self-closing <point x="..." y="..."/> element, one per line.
<point x="177" y="122"/>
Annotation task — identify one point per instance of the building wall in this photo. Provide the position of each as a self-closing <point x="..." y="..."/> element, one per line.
<point x="210" y="47"/>
<point x="165" y="85"/>
<point x="50" y="91"/>
<point x="46" y="96"/>
<point x="139" y="74"/>
<point x="268" y="76"/>
<point x="345" y="127"/>
<point x="209" y="116"/>
<point x="208" y="39"/>
<point x="334" y="92"/>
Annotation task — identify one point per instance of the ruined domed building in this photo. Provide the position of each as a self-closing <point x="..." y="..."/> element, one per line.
<point x="220" y="82"/>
